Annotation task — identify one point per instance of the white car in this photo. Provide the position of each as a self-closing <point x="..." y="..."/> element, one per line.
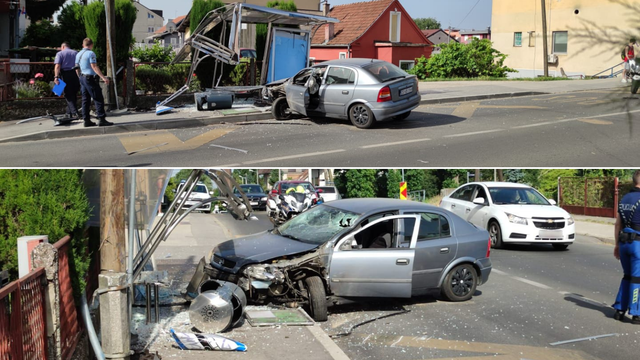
<point x="512" y="213"/>
<point x="200" y="192"/>
<point x="329" y="193"/>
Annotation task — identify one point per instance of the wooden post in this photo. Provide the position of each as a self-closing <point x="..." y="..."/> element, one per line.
<point x="112" y="238"/>
<point x="544" y="39"/>
<point x="111" y="13"/>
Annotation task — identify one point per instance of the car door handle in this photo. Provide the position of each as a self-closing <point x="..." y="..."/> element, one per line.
<point x="468" y="210"/>
<point x="453" y="205"/>
<point x="345" y="92"/>
<point x="402" y="262"/>
<point x="444" y="250"/>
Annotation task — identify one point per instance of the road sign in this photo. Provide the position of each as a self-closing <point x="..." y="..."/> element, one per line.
<point x="403" y="190"/>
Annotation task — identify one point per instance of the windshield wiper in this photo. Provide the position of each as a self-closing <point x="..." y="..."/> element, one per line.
<point x="290" y="237"/>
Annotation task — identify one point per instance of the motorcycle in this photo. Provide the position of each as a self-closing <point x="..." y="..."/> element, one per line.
<point x="288" y="206"/>
<point x="634" y="73"/>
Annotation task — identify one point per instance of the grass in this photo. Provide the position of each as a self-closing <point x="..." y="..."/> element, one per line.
<point x="435" y="201"/>
<point x="486" y="78"/>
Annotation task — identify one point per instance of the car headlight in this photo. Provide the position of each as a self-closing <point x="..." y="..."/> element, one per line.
<point x="516" y="219"/>
<point x="264" y="198"/>
<point x="570" y="221"/>
<point x="265" y="273"/>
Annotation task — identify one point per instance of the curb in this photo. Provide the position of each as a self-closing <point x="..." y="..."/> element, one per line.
<point x="137" y="126"/>
<point x="323" y="338"/>
<point x="607" y="241"/>
<point x="481" y="97"/>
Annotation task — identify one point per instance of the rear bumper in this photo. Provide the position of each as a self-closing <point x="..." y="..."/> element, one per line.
<point x="484" y="265"/>
<point x="387" y="110"/>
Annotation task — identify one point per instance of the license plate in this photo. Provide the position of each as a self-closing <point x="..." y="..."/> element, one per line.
<point x="406" y="91"/>
<point x="551" y="233"/>
<point x="254" y="203"/>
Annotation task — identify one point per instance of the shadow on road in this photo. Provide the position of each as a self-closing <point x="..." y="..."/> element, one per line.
<point x="581" y="301"/>
<point x="532" y="248"/>
<point x="417" y="119"/>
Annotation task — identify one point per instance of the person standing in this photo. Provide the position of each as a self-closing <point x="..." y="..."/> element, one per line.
<point x="630" y="53"/>
<point x="627" y="250"/>
<point x="90" y="75"/>
<point x="64" y="69"/>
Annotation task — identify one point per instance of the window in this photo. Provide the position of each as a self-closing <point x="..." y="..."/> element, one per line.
<point x="340" y="76"/>
<point x="481" y="193"/>
<point x="463" y="193"/>
<point x="532" y="38"/>
<point x="432" y="226"/>
<point x="343" y="55"/>
<point x="560" y="40"/>
<point x="150" y="16"/>
<point x="394" y="26"/>
<point x="384" y="71"/>
<point x="173" y="41"/>
<point x="517" y="39"/>
<point x="407" y="64"/>
<point x="150" y="29"/>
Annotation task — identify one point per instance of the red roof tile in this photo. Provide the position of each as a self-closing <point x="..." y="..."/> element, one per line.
<point x="176" y="21"/>
<point x="430" y="32"/>
<point x="355" y="20"/>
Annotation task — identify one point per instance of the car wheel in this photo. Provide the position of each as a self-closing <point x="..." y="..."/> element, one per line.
<point x="280" y="109"/>
<point x="317" y="298"/>
<point x="402" y="116"/>
<point x="361" y="116"/>
<point x="460" y="283"/>
<point x="496" y="235"/>
<point x="560" y="246"/>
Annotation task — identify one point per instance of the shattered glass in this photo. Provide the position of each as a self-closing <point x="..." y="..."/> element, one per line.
<point x="317" y="225"/>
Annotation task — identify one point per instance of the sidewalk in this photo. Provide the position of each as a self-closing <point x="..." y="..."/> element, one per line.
<point x="188" y="116"/>
<point x="598" y="227"/>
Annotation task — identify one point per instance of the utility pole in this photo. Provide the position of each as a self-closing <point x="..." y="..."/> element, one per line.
<point x="112" y="239"/>
<point x="544" y="39"/>
<point x="110" y="12"/>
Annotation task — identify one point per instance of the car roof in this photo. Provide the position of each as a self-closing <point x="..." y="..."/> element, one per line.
<point x="501" y="184"/>
<point x="373" y="205"/>
<point x="351" y="62"/>
<point x="250" y="185"/>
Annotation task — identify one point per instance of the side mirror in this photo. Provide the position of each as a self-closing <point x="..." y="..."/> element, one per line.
<point x="350" y="244"/>
<point x="210" y="192"/>
<point x="552" y="202"/>
<point x="319" y="191"/>
<point x="479" y="201"/>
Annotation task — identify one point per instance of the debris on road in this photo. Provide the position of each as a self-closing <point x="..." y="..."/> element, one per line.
<point x="271" y="316"/>
<point x="582" y="339"/>
<point x="353" y="327"/>
<point x="219" y="306"/>
<point x="191" y="341"/>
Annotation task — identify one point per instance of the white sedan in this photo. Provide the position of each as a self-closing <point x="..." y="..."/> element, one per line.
<point x="512" y="213"/>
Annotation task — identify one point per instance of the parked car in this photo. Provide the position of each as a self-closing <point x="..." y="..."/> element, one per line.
<point x="281" y="187"/>
<point x="200" y="192"/>
<point x="247" y="54"/>
<point x="512" y="213"/>
<point x="361" y="90"/>
<point x="329" y="193"/>
<point x="354" y="248"/>
<point x="256" y="195"/>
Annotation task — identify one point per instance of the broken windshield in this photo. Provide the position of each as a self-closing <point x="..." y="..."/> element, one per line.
<point x="317" y="225"/>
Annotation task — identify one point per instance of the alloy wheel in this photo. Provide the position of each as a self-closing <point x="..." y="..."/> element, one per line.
<point x="360" y="114"/>
<point x="493" y="233"/>
<point x="461" y="282"/>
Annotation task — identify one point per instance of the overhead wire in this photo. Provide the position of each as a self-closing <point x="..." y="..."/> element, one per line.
<point x="469" y="13"/>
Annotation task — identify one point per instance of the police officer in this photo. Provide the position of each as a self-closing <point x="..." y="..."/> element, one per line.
<point x="89" y="73"/>
<point x="627" y="250"/>
<point x="64" y="69"/>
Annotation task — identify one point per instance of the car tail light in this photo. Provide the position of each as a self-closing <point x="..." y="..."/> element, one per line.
<point x="384" y="94"/>
<point x="489" y="247"/>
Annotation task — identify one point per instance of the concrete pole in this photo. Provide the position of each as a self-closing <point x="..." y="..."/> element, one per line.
<point x="112" y="238"/>
<point x="544" y="39"/>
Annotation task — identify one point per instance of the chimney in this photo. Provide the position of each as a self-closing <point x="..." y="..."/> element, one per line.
<point x="326" y="8"/>
<point x="328" y="32"/>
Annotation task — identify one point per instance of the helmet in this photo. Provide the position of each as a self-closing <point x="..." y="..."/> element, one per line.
<point x="300" y="189"/>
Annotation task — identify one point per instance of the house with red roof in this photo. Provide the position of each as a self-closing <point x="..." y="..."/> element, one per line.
<point x="437" y="37"/>
<point x="380" y="29"/>
<point x="168" y="35"/>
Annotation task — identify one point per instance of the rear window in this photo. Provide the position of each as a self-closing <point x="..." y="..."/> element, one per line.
<point x="200" y="189"/>
<point x="328" y="190"/>
<point x="248" y="53"/>
<point x="384" y="71"/>
<point x="250" y="189"/>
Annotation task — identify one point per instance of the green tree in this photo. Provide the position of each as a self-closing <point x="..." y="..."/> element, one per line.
<point x="71" y="25"/>
<point x="514" y="175"/>
<point x="427" y="23"/>
<point x="360" y="183"/>
<point x="183" y="174"/>
<point x="42" y="34"/>
<point x="475" y="59"/>
<point x="548" y="181"/>
<point x="274" y="176"/>
<point x="95" y="26"/>
<point x="261" y="29"/>
<point x="155" y="53"/>
<point x="394" y="177"/>
<point x="42" y="9"/>
<point x="44" y="202"/>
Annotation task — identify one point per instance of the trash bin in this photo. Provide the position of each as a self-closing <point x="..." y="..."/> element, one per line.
<point x="214" y="100"/>
<point x="238" y="297"/>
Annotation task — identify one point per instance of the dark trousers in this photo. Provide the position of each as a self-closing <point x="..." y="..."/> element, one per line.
<point x="629" y="294"/>
<point x="91" y="90"/>
<point x="71" y="90"/>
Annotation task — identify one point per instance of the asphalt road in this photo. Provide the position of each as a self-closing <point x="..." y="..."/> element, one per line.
<point x="579" y="129"/>
<point x="535" y="296"/>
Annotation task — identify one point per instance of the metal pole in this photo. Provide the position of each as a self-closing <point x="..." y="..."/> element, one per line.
<point x="402" y="175"/>
<point x="544" y="39"/>
<point x="131" y="237"/>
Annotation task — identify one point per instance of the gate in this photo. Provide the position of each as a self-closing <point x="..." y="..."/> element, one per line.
<point x="589" y="196"/>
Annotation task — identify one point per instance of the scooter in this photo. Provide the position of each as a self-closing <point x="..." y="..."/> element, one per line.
<point x="288" y="206"/>
<point x="634" y="73"/>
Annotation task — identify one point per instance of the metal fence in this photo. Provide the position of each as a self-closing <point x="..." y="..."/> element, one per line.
<point x="589" y="196"/>
<point x="69" y="327"/>
<point x="22" y="318"/>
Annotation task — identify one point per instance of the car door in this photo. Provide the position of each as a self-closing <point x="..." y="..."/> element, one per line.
<point x="297" y="93"/>
<point x="477" y="213"/>
<point x="337" y="90"/>
<point x="460" y="199"/>
<point x="373" y="272"/>
<point x="435" y="249"/>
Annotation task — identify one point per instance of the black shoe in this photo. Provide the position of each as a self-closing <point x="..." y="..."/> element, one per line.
<point x="619" y="315"/>
<point x="89" y="123"/>
<point x="104" y="122"/>
<point x="635" y="320"/>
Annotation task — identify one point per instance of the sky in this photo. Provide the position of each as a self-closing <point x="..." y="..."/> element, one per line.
<point x="448" y="12"/>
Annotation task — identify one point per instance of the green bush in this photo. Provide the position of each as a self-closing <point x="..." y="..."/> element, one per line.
<point x="24" y="90"/>
<point x="43" y="9"/>
<point x="44" y="202"/>
<point x="42" y="34"/>
<point x="155" y="53"/>
<point x="475" y="59"/>
<point x="152" y="79"/>
<point x="95" y="26"/>
<point x="71" y="25"/>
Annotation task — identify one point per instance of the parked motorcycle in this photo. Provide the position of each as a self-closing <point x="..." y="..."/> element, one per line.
<point x="288" y="206"/>
<point x="634" y="73"/>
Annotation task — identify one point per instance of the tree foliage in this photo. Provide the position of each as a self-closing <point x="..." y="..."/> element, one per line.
<point x="155" y="53"/>
<point x="41" y="33"/>
<point x="44" y="202"/>
<point x="475" y="59"/>
<point x="261" y="29"/>
<point x="42" y="9"/>
<point x="427" y="23"/>
<point x="71" y="25"/>
<point x="183" y="174"/>
<point x="95" y="26"/>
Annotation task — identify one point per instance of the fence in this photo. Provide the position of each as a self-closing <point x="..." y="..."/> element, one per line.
<point x="22" y="318"/>
<point x="589" y="196"/>
<point x="69" y="327"/>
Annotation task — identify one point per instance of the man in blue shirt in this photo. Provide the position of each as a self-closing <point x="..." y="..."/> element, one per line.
<point x="627" y="250"/>
<point x="64" y="69"/>
<point x="90" y="75"/>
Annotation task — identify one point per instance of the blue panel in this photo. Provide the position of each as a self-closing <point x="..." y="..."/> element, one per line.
<point x="289" y="54"/>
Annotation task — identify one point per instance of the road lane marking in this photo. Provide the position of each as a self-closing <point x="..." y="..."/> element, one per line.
<point x="318" y="153"/>
<point x="596" y="122"/>
<point x="575" y="119"/>
<point x="499" y="272"/>
<point x="531" y="282"/>
<point x="150" y="142"/>
<point x="466" y="109"/>
<point x="394" y="143"/>
<point x="473" y="133"/>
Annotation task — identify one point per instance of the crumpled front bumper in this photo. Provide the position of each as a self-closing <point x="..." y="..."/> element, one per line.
<point x="204" y="271"/>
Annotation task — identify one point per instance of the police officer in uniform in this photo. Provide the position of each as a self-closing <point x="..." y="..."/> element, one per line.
<point x="627" y="250"/>
<point x="90" y="75"/>
<point x="64" y="69"/>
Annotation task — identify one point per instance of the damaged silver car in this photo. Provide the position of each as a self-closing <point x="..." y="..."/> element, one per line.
<point x="350" y="249"/>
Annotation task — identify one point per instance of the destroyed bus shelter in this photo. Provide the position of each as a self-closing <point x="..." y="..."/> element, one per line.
<point x="286" y="49"/>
